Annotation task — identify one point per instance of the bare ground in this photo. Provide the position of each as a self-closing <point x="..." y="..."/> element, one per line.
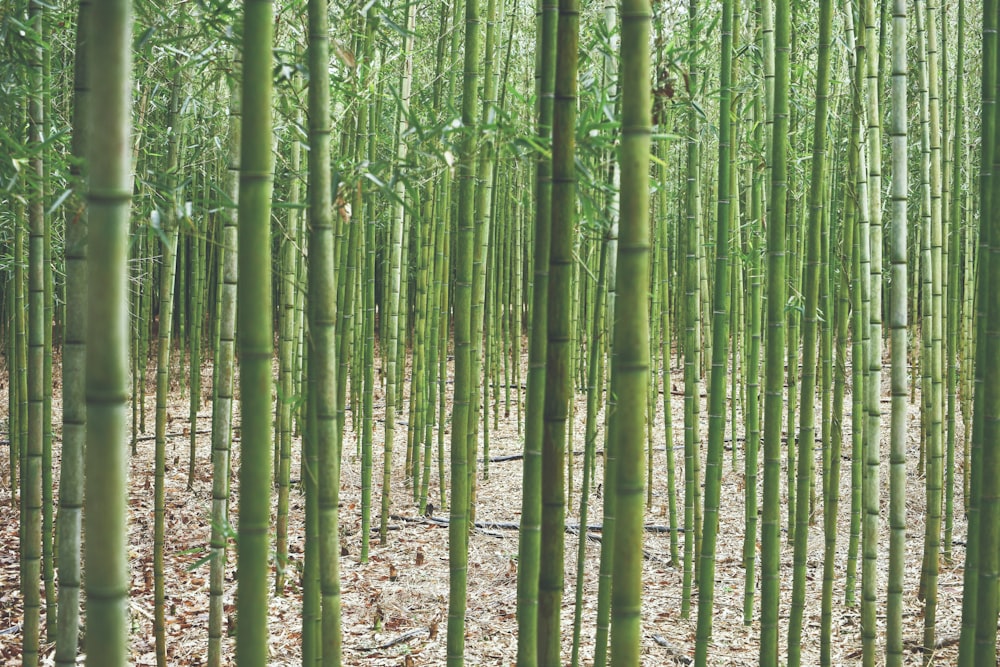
<point x="402" y="592"/>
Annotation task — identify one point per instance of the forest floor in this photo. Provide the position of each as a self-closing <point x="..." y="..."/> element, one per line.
<point x="402" y="592"/>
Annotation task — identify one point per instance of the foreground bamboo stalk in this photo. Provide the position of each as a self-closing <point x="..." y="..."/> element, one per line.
<point x="70" y="516"/>
<point x="558" y="377"/>
<point x="809" y="333"/>
<point x="529" y="538"/>
<point x="774" y="379"/>
<point x="254" y="336"/>
<point x="898" y="310"/>
<point x="720" y="350"/>
<point x="630" y="358"/>
<point x="31" y="473"/>
<point x="458" y="532"/>
<point x="108" y="197"/>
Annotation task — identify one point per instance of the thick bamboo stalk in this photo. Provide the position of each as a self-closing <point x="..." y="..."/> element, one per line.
<point x="529" y="538"/>
<point x="31" y="474"/>
<point x="898" y="312"/>
<point x="108" y="196"/>
<point x="775" y="344"/>
<point x="69" y="520"/>
<point x="630" y="356"/>
<point x="458" y="533"/>
<point x="817" y="185"/>
<point x="558" y="376"/>
<point x="720" y="348"/>
<point x="254" y="336"/>
<point x="322" y="371"/>
<point x="692" y="338"/>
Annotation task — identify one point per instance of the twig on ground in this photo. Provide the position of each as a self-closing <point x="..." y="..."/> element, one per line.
<point x="918" y="647"/>
<point x="675" y="653"/>
<point x="12" y="630"/>
<point x="573" y="528"/>
<point x="406" y="636"/>
<point x="146" y="438"/>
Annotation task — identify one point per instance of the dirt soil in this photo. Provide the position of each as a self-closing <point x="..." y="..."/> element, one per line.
<point x="402" y="592"/>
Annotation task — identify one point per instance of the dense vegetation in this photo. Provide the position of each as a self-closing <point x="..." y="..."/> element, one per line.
<point x="783" y="201"/>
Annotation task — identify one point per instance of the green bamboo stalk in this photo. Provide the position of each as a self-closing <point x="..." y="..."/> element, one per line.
<point x="968" y="347"/>
<point x="666" y="340"/>
<point x="286" y="393"/>
<point x="831" y="476"/>
<point x="145" y="328"/>
<point x="21" y="353"/>
<point x="182" y="307"/>
<point x="610" y="465"/>
<point x="870" y="527"/>
<point x="365" y="140"/>
<point x="396" y="261"/>
<point x="809" y="334"/>
<point x="68" y="522"/>
<point x="857" y="286"/>
<point x="431" y="353"/>
<point x="108" y="198"/>
<point x="989" y="487"/>
<point x="167" y="276"/>
<point x="630" y="358"/>
<point x="826" y="305"/>
<point x="898" y="311"/>
<point x="704" y="245"/>
<point x="31" y="474"/>
<point x="299" y="344"/>
<point x="955" y="303"/>
<point x="369" y="383"/>
<point x="979" y="600"/>
<point x="968" y="648"/>
<point x="18" y="373"/>
<point x="594" y="392"/>
<point x="558" y="377"/>
<point x="346" y="280"/>
<point x="222" y="406"/>
<point x="518" y="308"/>
<point x="692" y="340"/>
<point x="949" y="350"/>
<point x="444" y="273"/>
<point x="720" y="348"/>
<point x="926" y="268"/>
<point x="935" y="417"/>
<point x="751" y="454"/>
<point x="48" y="312"/>
<point x="414" y="419"/>
<point x="438" y="198"/>
<point x="529" y="534"/>
<point x="403" y="335"/>
<point x="10" y="338"/>
<point x="425" y="344"/>
<point x="610" y="73"/>
<point x="484" y="214"/>
<point x="491" y="324"/>
<point x="736" y="277"/>
<point x="775" y="343"/>
<point x="139" y="295"/>
<point x="255" y="336"/>
<point x="458" y="527"/>
<point x="198" y="265"/>
<point x="322" y="317"/>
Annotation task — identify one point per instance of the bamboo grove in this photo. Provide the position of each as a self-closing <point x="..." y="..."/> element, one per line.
<point x="746" y="250"/>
